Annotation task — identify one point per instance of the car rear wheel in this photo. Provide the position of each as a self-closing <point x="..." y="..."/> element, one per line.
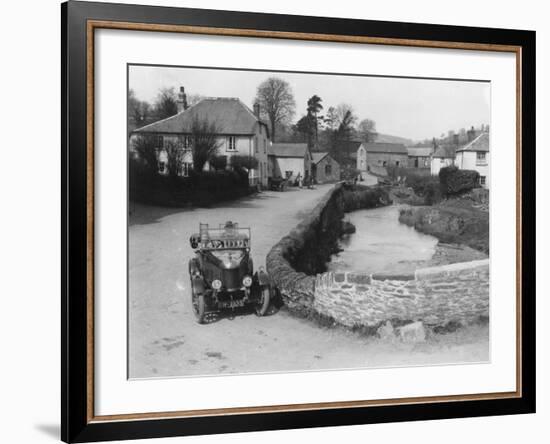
<point x="263" y="303"/>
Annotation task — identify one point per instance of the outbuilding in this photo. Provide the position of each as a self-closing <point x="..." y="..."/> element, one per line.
<point x="324" y="168"/>
<point x="379" y="155"/>
<point x="289" y="161"/>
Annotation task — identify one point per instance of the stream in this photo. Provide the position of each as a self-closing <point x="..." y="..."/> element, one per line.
<point x="381" y="243"/>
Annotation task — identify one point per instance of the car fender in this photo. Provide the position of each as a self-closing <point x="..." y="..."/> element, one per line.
<point x="198" y="284"/>
<point x="263" y="278"/>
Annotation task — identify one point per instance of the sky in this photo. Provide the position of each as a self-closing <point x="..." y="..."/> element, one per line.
<point x="407" y="107"/>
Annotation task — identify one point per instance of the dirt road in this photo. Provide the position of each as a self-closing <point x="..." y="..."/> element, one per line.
<point x="165" y="340"/>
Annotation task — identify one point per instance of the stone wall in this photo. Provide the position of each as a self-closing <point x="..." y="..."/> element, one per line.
<point x="295" y="260"/>
<point x="436" y="296"/>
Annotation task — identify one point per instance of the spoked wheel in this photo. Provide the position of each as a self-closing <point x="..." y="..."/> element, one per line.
<point x="263" y="304"/>
<point x="197" y="296"/>
<point x="198" y="304"/>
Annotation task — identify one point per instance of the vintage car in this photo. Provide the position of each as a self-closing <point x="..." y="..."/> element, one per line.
<point x="222" y="275"/>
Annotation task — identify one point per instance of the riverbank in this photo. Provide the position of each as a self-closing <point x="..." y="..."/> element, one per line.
<point x="383" y="244"/>
<point x="460" y="221"/>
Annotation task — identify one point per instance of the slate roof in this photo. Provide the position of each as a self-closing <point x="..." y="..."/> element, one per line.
<point x="288" y="149"/>
<point x="480" y="143"/>
<point x="388" y="148"/>
<point x="445" y="152"/>
<point x="230" y="115"/>
<point x="318" y="156"/>
<point x="417" y="151"/>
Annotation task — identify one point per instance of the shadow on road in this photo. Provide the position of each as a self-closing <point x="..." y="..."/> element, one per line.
<point x="143" y="214"/>
<point x="216" y="316"/>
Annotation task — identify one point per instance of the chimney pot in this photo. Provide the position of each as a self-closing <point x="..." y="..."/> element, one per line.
<point x="182" y="100"/>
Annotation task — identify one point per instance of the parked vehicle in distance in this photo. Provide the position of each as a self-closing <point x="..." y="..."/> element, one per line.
<point x="222" y="274"/>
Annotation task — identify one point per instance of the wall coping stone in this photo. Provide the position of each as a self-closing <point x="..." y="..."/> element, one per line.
<point x="393" y="276"/>
<point x="449" y="269"/>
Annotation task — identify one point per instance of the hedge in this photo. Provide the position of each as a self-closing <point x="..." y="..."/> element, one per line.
<point x="455" y="181"/>
<point x="201" y="189"/>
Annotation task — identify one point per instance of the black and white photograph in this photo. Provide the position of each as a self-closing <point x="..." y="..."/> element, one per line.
<point x="302" y="221"/>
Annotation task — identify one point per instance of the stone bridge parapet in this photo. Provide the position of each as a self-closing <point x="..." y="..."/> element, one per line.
<point x="437" y="295"/>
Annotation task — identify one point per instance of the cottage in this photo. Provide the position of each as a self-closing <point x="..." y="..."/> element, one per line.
<point x="324" y="168"/>
<point x="420" y="157"/>
<point x="443" y="156"/>
<point x="475" y="156"/>
<point x="380" y="155"/>
<point x="289" y="160"/>
<point x="239" y="131"/>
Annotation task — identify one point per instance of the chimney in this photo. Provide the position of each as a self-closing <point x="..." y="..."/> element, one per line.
<point x="257" y="109"/>
<point x="455" y="139"/>
<point x="182" y="100"/>
<point x="471" y="134"/>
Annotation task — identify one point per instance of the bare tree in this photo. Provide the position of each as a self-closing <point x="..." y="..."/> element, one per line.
<point x="174" y="157"/>
<point x="205" y="141"/>
<point x="367" y="130"/>
<point x="193" y="99"/>
<point x="276" y="101"/>
<point x="147" y="150"/>
<point x="166" y="103"/>
<point x="138" y="111"/>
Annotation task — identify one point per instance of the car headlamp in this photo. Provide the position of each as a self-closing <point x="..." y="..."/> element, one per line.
<point x="247" y="281"/>
<point x="216" y="284"/>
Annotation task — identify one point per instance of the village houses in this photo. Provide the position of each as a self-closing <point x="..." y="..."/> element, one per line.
<point x="475" y="156"/>
<point x="239" y="131"/>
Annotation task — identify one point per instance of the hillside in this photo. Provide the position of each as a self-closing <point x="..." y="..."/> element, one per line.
<point x="386" y="138"/>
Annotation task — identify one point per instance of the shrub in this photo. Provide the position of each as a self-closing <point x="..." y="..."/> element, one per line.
<point x="218" y="162"/>
<point x="422" y="183"/>
<point x="241" y="161"/>
<point x="455" y="181"/>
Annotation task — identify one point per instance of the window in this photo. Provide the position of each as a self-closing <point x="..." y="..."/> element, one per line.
<point x="231" y="143"/>
<point x="162" y="167"/>
<point x="256" y="145"/>
<point x="384" y="163"/>
<point x="186" y="142"/>
<point x="482" y="180"/>
<point x="160" y="142"/>
<point x="328" y="170"/>
<point x="481" y="158"/>
<point x="288" y="174"/>
<point x="397" y="163"/>
<point x="265" y="146"/>
<point x="185" y="168"/>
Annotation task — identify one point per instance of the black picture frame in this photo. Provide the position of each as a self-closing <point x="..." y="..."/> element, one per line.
<point x="76" y="423"/>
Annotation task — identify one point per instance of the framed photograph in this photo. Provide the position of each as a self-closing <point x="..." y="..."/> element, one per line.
<point x="276" y="221"/>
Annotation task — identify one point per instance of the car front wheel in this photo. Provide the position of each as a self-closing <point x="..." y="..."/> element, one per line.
<point x="263" y="303"/>
<point x="198" y="304"/>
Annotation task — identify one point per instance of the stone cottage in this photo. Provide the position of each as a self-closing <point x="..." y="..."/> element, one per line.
<point x="378" y="156"/>
<point x="324" y="168"/>
<point x="420" y="157"/>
